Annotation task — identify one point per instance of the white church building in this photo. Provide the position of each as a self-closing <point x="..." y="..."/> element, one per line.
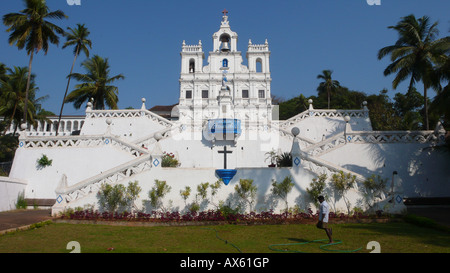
<point x="224" y="127"/>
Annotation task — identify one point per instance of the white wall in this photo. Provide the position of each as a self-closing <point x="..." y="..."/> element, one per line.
<point x="76" y="163"/>
<point x="10" y="189"/>
<point x="194" y="151"/>
<point x="318" y="128"/>
<point x="128" y="128"/>
<point x="422" y="172"/>
<point x="178" y="178"/>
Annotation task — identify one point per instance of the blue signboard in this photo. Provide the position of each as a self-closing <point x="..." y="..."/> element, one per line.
<point x="224" y="126"/>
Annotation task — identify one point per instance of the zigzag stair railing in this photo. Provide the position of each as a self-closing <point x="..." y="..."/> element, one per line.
<point x="113" y="175"/>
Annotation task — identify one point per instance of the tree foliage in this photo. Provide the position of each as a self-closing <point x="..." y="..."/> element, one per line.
<point x="282" y="189"/>
<point x="157" y="193"/>
<point x="246" y="190"/>
<point x="31" y="29"/>
<point x="96" y="84"/>
<point x="316" y="188"/>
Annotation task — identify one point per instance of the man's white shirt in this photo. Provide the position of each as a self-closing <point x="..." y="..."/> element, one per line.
<point x="324" y="209"/>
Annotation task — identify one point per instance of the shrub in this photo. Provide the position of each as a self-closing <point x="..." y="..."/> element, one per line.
<point x="44" y="161"/>
<point x="316" y="188"/>
<point x="112" y="197"/>
<point x="342" y="183"/>
<point x="21" y="203"/>
<point x="157" y="193"/>
<point x="374" y="187"/>
<point x="282" y="189"/>
<point x="185" y="193"/>
<point x="284" y="160"/>
<point x="246" y="191"/>
<point x="169" y="160"/>
<point x="227" y="212"/>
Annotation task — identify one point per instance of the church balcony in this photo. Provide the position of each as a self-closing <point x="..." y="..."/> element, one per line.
<point x="258" y="48"/>
<point x="192" y="48"/>
<point x="70" y="125"/>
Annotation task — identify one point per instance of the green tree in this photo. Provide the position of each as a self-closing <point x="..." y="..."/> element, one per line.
<point x="132" y="193"/>
<point x="214" y="188"/>
<point x="13" y="96"/>
<point x="292" y="107"/>
<point x="407" y="107"/>
<point x="202" y="190"/>
<point x="413" y="54"/>
<point x="374" y="187"/>
<point x="157" y="193"/>
<point x="246" y="191"/>
<point x="316" y="188"/>
<point x="30" y="29"/>
<point x="185" y="193"/>
<point x="328" y="86"/>
<point x="95" y="84"/>
<point x="342" y="182"/>
<point x="282" y="189"/>
<point x="111" y="197"/>
<point x="3" y="69"/>
<point x="441" y="102"/>
<point x="78" y="38"/>
<point x="381" y="112"/>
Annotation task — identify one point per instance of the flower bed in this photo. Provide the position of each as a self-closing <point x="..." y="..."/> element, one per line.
<point x="215" y="216"/>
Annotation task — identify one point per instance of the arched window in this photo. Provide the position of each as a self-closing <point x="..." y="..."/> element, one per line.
<point x="191" y="66"/>
<point x="225" y="42"/>
<point x="258" y="65"/>
<point x="225" y="63"/>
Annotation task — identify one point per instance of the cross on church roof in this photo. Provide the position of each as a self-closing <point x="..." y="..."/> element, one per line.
<point x="225" y="12"/>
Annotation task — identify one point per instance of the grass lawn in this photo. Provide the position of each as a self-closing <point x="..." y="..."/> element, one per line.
<point x="394" y="237"/>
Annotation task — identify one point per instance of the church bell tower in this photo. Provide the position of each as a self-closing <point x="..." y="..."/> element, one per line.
<point x="224" y="86"/>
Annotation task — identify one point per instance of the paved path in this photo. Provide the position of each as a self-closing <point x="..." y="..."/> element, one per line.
<point x="20" y="218"/>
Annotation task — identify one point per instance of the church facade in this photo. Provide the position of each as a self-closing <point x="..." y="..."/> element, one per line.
<point x="224" y="128"/>
<point x="224" y="87"/>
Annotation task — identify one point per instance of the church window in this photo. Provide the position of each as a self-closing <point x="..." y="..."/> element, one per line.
<point x="245" y="94"/>
<point x="205" y="94"/>
<point x="191" y="66"/>
<point x="188" y="94"/>
<point x="225" y="42"/>
<point x="261" y="94"/>
<point x="225" y="63"/>
<point x="258" y="65"/>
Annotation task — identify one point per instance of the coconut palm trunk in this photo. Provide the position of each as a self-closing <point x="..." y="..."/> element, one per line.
<point x="67" y="89"/>
<point x="427" y="127"/>
<point x="25" y="109"/>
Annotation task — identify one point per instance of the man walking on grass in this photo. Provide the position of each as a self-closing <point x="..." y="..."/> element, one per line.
<point x="324" y="210"/>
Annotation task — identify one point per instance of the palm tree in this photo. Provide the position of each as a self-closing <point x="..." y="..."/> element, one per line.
<point x="30" y="29"/>
<point x="442" y="100"/>
<point x="78" y="38"/>
<point x="2" y="71"/>
<point x="328" y="85"/>
<point x="414" y="53"/>
<point x="96" y="85"/>
<point x="13" y="90"/>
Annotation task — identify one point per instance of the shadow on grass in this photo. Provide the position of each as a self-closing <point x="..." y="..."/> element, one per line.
<point x="297" y="240"/>
<point x="427" y="235"/>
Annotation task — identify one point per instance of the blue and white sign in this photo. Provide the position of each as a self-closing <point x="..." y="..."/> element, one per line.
<point x="224" y="126"/>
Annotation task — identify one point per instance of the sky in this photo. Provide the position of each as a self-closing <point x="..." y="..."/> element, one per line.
<point x="142" y="40"/>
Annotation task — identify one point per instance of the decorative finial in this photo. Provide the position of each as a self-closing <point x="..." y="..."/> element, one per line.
<point x="225" y="12"/>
